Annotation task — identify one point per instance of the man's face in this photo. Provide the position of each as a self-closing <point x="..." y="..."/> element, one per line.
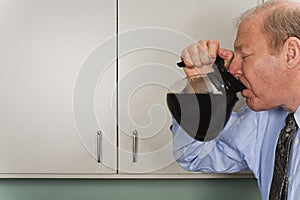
<point x="258" y="69"/>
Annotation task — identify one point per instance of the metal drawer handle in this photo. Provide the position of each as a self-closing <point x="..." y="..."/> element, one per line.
<point x="99" y="142"/>
<point x="134" y="146"/>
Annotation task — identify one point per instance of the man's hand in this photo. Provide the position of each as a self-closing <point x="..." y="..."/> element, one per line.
<point x="199" y="57"/>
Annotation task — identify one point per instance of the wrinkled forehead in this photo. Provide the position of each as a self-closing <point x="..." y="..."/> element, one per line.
<point x="249" y="32"/>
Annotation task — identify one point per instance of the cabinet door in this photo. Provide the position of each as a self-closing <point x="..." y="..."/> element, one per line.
<point x="49" y="118"/>
<point x="147" y="67"/>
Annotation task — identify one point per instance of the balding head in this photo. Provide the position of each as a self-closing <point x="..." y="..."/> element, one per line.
<point x="279" y="20"/>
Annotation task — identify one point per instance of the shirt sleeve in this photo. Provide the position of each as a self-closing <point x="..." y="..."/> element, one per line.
<point x="212" y="156"/>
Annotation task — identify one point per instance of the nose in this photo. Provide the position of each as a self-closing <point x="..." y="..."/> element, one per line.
<point x="235" y="67"/>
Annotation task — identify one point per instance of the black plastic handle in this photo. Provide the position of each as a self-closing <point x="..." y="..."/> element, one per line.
<point x="181" y="64"/>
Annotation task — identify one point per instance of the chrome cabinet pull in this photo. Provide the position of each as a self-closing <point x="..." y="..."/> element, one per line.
<point x="134" y="145"/>
<point x="99" y="142"/>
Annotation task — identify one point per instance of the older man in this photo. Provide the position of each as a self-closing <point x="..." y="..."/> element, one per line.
<point x="266" y="59"/>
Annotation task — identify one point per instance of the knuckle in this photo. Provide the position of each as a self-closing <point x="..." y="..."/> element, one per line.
<point x="202" y="42"/>
<point x="184" y="53"/>
<point x="213" y="42"/>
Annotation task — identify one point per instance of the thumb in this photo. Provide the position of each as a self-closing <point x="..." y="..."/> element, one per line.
<point x="227" y="55"/>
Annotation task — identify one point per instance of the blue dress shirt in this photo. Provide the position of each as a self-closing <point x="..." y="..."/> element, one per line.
<point x="248" y="141"/>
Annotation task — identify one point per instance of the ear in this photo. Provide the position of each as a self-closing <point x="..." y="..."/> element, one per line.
<point x="292" y="52"/>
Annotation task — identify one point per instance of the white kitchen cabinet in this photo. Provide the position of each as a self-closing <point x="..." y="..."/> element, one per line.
<point x="151" y="36"/>
<point x="77" y="100"/>
<point x="47" y="82"/>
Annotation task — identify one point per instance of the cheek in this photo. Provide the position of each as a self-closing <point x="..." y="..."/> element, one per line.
<point x="265" y="78"/>
<point x="259" y="76"/>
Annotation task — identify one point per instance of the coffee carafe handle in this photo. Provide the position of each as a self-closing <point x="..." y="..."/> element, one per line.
<point x="229" y="81"/>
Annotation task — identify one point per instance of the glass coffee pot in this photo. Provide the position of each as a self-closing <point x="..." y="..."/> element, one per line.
<point x="201" y="104"/>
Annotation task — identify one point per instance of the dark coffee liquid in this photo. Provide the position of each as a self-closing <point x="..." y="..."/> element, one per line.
<point x="202" y="116"/>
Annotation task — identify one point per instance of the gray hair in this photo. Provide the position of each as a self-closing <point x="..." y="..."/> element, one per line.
<point x="281" y="20"/>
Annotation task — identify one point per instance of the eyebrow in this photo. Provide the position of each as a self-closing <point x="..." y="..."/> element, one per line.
<point x="242" y="48"/>
<point x="238" y="48"/>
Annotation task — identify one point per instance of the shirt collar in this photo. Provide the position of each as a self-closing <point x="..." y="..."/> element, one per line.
<point x="297" y="116"/>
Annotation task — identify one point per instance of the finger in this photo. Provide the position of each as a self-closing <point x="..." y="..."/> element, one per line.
<point x="194" y="55"/>
<point x="227" y="55"/>
<point x="186" y="58"/>
<point x="203" y="53"/>
<point x="191" y="71"/>
<point x="213" y="47"/>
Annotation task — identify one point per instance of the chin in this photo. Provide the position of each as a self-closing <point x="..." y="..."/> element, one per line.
<point x="256" y="106"/>
<point x="258" y="109"/>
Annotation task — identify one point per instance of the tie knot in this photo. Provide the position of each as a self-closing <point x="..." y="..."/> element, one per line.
<point x="290" y="121"/>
